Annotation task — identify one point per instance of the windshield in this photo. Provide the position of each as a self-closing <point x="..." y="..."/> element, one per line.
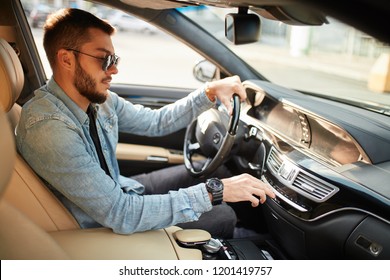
<point x="332" y="60"/>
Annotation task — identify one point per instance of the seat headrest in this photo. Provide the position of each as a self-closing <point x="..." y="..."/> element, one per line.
<point x="11" y="75"/>
<point x="7" y="152"/>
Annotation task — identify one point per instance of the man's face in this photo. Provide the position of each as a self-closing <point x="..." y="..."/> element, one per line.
<point x="90" y="80"/>
<point x="87" y="86"/>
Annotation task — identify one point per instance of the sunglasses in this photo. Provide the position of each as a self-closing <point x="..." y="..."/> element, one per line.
<point x="108" y="61"/>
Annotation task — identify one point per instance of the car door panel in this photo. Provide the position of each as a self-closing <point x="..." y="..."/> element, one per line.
<point x="135" y="159"/>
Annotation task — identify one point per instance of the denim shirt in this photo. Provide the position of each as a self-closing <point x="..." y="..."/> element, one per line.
<point x="53" y="137"/>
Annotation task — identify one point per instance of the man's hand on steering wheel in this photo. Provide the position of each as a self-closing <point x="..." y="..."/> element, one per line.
<point x="224" y="90"/>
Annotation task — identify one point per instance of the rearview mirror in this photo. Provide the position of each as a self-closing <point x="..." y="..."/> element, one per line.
<point x="242" y="28"/>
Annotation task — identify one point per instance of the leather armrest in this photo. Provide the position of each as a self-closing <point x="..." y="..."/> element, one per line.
<point x="103" y="244"/>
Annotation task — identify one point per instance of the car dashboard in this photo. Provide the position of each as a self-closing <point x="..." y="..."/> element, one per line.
<point x="328" y="164"/>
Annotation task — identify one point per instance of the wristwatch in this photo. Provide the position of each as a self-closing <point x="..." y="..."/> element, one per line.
<point x="215" y="187"/>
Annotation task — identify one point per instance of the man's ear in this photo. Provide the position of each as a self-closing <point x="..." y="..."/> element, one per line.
<point x="65" y="59"/>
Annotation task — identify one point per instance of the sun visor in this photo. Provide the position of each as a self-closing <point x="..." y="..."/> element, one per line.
<point x="292" y="14"/>
<point x="156" y="5"/>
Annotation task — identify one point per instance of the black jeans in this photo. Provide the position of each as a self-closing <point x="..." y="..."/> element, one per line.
<point x="219" y="222"/>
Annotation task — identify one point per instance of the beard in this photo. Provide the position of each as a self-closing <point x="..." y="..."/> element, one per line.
<point x="86" y="86"/>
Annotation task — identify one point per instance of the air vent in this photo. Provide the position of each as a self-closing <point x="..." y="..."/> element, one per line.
<point x="274" y="160"/>
<point x="293" y="177"/>
<point x="313" y="188"/>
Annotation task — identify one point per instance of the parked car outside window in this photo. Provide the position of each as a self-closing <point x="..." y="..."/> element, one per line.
<point x="39" y="14"/>
<point x="126" y="22"/>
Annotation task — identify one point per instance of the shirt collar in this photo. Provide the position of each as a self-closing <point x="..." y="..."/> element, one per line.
<point x="57" y="91"/>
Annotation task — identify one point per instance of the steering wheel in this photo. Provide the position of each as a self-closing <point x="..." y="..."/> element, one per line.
<point x="202" y="136"/>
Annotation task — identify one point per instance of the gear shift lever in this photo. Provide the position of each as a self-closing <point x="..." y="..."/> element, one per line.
<point x="213" y="246"/>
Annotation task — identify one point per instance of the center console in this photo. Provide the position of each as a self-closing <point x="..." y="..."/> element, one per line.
<point x="237" y="249"/>
<point x="220" y="249"/>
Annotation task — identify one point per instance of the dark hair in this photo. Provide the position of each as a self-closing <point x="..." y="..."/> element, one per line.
<point x="68" y="29"/>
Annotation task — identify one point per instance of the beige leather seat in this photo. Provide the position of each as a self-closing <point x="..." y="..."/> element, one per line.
<point x="20" y="238"/>
<point x="26" y="191"/>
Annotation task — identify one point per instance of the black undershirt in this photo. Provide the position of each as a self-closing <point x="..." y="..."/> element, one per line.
<point x="95" y="138"/>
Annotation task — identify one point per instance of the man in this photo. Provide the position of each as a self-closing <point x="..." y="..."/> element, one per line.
<point x="69" y="131"/>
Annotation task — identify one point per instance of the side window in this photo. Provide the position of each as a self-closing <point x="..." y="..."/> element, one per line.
<point x="148" y="55"/>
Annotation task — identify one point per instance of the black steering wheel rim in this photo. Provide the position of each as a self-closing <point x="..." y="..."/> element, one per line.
<point x="211" y="164"/>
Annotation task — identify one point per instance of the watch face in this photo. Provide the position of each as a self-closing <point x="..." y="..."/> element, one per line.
<point x="215" y="187"/>
<point x="214" y="184"/>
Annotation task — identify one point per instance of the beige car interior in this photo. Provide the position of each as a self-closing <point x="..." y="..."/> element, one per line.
<point x="35" y="225"/>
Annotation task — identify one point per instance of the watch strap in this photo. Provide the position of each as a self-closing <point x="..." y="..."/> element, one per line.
<point x="215" y="187"/>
